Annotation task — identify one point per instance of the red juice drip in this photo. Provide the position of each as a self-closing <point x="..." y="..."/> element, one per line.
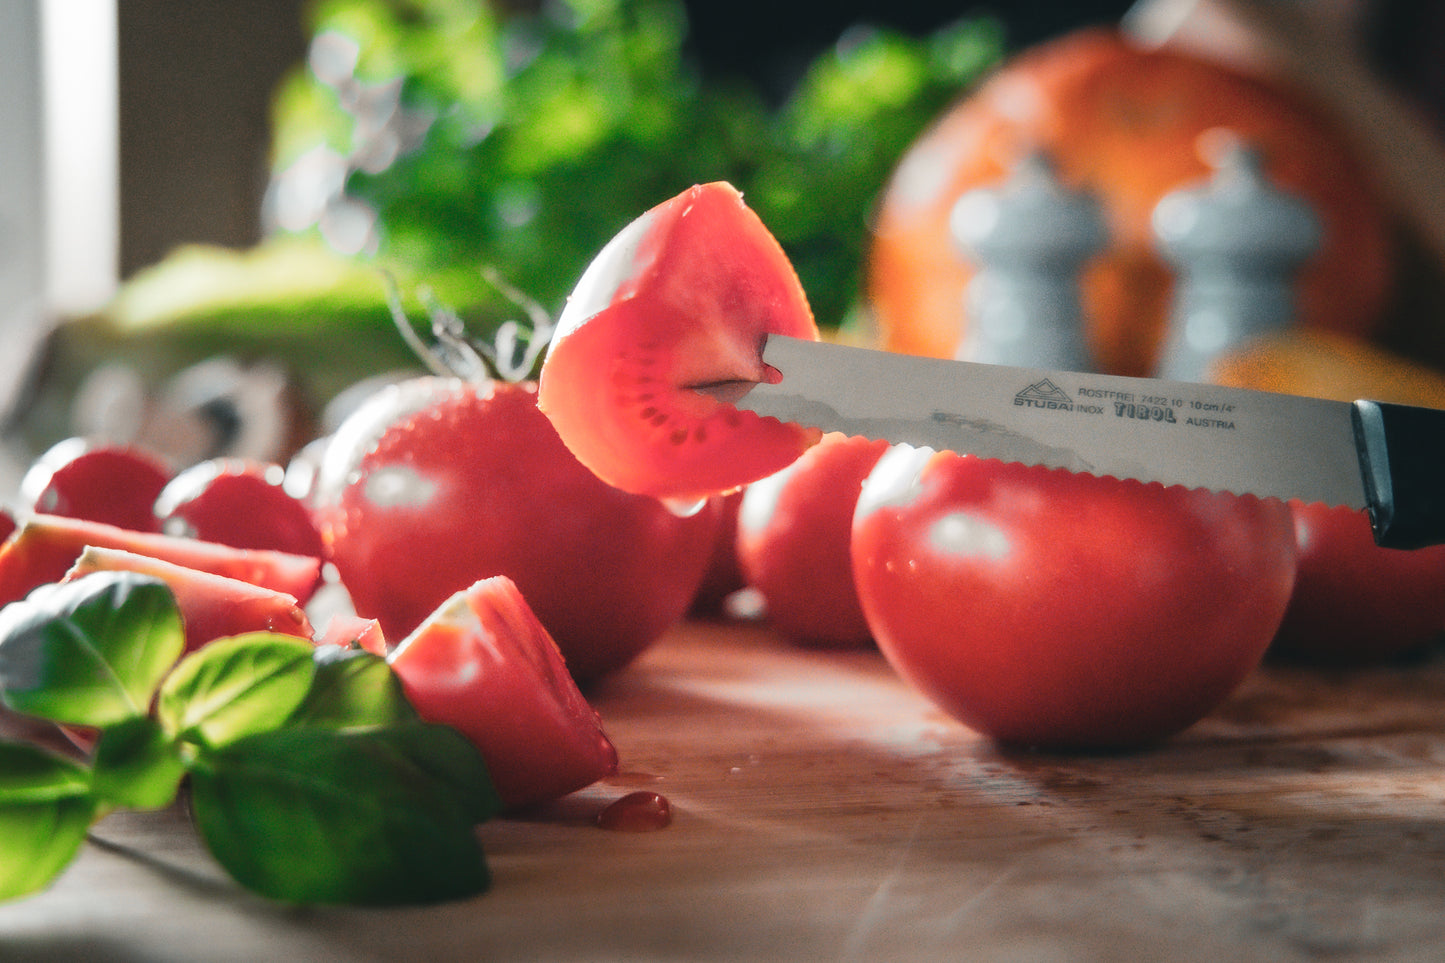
<point x="637" y="812"/>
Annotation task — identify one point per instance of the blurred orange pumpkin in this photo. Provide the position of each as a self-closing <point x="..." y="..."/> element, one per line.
<point x="1325" y="365"/>
<point x="1127" y="124"/>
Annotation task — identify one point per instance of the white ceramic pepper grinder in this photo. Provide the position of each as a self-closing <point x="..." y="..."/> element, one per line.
<point x="1029" y="239"/>
<point x="1237" y="244"/>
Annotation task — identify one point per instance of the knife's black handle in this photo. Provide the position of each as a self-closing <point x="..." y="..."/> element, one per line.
<point x="1402" y="459"/>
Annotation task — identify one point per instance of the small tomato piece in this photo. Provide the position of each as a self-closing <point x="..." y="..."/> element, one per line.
<point x="348" y="630"/>
<point x="44" y="547"/>
<point x="484" y="665"/>
<point x="212" y="606"/>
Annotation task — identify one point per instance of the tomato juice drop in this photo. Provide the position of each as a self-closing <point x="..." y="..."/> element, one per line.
<point x="637" y="812"/>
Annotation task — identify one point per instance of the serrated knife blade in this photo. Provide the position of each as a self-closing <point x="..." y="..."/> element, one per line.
<point x="1383" y="458"/>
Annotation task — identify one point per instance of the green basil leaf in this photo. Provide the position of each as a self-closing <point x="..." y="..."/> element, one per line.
<point x="38" y="840"/>
<point x="137" y="765"/>
<point x="29" y="774"/>
<point x="352" y="688"/>
<point x="89" y="652"/>
<point x="45" y="810"/>
<point x="381" y="816"/>
<point x="235" y="687"/>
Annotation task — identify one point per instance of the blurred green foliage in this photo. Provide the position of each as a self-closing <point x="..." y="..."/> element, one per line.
<point x="437" y="136"/>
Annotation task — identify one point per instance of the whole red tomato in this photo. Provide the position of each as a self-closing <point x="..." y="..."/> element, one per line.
<point x="723" y="575"/>
<point x="238" y="502"/>
<point x="1355" y="602"/>
<point x="96" y="481"/>
<point x="1062" y="610"/>
<point x="437" y="482"/>
<point x="794" y="529"/>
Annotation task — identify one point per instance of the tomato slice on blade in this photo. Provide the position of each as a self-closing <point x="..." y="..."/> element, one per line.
<point x="683" y="298"/>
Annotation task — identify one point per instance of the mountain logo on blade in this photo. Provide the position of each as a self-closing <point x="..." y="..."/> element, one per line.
<point x="1044" y="394"/>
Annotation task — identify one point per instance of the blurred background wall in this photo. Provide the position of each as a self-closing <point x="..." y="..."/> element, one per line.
<point x="195" y="82"/>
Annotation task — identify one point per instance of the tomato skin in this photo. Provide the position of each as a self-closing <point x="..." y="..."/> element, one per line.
<point x="723" y="575"/>
<point x="684" y="296"/>
<point x="483" y="664"/>
<point x="1061" y="610"/>
<point x="1354" y="602"/>
<point x="111" y="484"/>
<point x="439" y="482"/>
<point x="794" y="532"/>
<point x="238" y="502"/>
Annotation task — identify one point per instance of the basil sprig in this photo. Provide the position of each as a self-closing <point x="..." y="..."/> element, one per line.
<point x="311" y="778"/>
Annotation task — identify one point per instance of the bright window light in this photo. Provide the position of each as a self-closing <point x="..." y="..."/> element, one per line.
<point x="80" y="99"/>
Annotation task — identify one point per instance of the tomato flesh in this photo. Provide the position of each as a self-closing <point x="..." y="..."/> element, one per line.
<point x="212" y="606"/>
<point x="44" y="547"/>
<point x="348" y="630"/>
<point x="683" y="298"/>
<point x="484" y="665"/>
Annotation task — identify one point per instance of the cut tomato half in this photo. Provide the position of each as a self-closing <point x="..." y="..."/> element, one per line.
<point x="669" y="319"/>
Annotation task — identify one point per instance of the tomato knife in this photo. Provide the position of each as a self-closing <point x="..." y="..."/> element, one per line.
<point x="1386" y="459"/>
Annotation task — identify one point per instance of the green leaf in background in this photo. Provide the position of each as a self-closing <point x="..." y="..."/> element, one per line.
<point x="137" y="766"/>
<point x="380" y="816"/>
<point x="441" y="136"/>
<point x="89" y="652"/>
<point x="232" y="688"/>
<point x="45" y="810"/>
<point x="352" y="688"/>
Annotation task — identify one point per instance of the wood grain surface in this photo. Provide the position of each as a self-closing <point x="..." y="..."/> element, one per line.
<point x="823" y="811"/>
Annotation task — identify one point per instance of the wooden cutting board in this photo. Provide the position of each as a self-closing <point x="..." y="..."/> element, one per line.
<point x="823" y="811"/>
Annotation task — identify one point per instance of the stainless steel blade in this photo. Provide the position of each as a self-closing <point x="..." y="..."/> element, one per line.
<point x="1196" y="435"/>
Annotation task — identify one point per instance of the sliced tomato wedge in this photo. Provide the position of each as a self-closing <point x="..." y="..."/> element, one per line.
<point x="666" y="323"/>
<point x="44" y="547"/>
<point x="484" y="665"/>
<point x="212" y="606"/>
